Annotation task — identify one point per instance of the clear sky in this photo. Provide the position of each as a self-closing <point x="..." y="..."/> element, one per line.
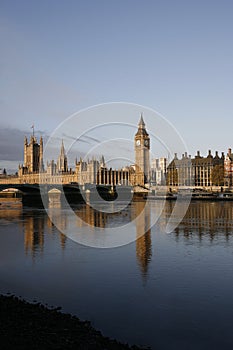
<point x="58" y="57"/>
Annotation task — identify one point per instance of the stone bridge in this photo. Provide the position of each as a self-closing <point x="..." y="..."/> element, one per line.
<point x="31" y="189"/>
<point x="73" y="192"/>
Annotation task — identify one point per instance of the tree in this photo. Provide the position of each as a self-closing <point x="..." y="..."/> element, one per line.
<point x="218" y="175"/>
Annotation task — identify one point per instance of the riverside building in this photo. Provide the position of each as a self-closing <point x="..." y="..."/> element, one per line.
<point x="228" y="168"/>
<point x="91" y="171"/>
<point x="196" y="172"/>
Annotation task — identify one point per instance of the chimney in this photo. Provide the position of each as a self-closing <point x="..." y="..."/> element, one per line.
<point x="175" y="157"/>
<point x="223" y="155"/>
<point x="229" y="151"/>
<point x="185" y="154"/>
<point x="209" y="152"/>
<point x="198" y="153"/>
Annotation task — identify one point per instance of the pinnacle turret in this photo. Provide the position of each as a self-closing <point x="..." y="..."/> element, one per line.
<point x="141" y="123"/>
<point x="141" y="127"/>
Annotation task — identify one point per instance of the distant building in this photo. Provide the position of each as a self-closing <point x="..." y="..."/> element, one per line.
<point x="3" y="172"/>
<point x="90" y="171"/>
<point x="228" y="169"/>
<point x="33" y="157"/>
<point x="158" y="171"/>
<point x="198" y="171"/>
<point x="208" y="171"/>
<point x="62" y="164"/>
<point x="180" y="171"/>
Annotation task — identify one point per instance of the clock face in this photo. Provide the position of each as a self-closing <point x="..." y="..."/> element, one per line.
<point x="146" y="142"/>
<point x="138" y="142"/>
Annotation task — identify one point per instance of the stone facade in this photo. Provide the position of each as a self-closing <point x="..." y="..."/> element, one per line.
<point x="93" y="171"/>
<point x="33" y="157"/>
<point x="208" y="171"/>
<point x="159" y="171"/>
<point x="62" y="164"/>
<point x="228" y="169"/>
<point x="197" y="172"/>
<point x="180" y="172"/>
<point x="142" y="154"/>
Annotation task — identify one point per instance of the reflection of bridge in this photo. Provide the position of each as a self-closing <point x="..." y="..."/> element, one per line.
<point x="36" y="226"/>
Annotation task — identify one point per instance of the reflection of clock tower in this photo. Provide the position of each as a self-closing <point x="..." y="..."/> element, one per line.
<point x="142" y="153"/>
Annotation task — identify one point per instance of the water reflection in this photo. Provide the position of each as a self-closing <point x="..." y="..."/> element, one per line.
<point x="35" y="223"/>
<point x="56" y="214"/>
<point x="101" y="219"/>
<point x="202" y="217"/>
<point x="10" y="210"/>
<point x="33" y="234"/>
<point x="91" y="216"/>
<point x="189" y="288"/>
<point x="205" y="217"/>
<point x="143" y="242"/>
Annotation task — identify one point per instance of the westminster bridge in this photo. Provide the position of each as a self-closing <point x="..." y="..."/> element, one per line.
<point x="71" y="192"/>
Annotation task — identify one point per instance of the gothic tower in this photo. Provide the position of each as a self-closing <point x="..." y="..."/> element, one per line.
<point x="41" y="162"/>
<point x="142" y="154"/>
<point x="62" y="160"/>
<point x="32" y="155"/>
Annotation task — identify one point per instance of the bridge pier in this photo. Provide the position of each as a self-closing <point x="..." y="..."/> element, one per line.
<point x="34" y="200"/>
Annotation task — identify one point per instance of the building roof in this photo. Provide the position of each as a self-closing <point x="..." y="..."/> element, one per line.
<point x="141" y="122"/>
<point x="141" y="128"/>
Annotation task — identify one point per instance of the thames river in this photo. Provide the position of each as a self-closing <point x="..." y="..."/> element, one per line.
<point x="164" y="290"/>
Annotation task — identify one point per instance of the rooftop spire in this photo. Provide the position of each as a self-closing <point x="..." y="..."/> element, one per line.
<point x="62" y="160"/>
<point x="33" y="129"/>
<point x="141" y="121"/>
<point x="62" y="148"/>
<point x="141" y="127"/>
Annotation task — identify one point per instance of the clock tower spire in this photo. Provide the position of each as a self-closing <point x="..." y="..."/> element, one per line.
<point x="142" y="153"/>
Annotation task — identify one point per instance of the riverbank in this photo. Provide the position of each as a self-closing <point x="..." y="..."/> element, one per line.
<point x="33" y="326"/>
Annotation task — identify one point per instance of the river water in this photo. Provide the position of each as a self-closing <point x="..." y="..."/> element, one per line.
<point x="167" y="291"/>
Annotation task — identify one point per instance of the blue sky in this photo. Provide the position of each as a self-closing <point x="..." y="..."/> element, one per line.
<point x="176" y="57"/>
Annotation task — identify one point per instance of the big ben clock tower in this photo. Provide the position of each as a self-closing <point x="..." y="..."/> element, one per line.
<point x="142" y="153"/>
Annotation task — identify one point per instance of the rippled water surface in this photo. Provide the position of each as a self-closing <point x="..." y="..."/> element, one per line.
<point x="169" y="291"/>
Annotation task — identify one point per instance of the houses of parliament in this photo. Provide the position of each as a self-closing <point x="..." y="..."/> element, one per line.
<point x="198" y="172"/>
<point x="33" y="170"/>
